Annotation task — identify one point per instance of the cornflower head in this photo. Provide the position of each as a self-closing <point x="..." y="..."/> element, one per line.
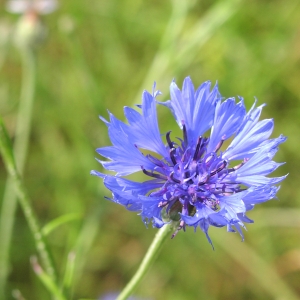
<point x="192" y="180"/>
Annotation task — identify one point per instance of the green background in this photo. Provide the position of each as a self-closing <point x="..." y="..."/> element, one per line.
<point x="99" y="56"/>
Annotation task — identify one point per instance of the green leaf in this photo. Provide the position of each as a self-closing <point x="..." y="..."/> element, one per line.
<point x="60" y="221"/>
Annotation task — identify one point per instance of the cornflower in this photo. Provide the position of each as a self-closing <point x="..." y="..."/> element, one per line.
<point x="192" y="180"/>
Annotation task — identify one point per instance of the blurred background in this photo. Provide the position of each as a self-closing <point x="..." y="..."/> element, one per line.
<point x="74" y="60"/>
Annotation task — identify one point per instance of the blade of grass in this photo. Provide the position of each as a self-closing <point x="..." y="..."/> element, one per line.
<point x="46" y="280"/>
<point x="9" y="162"/>
<point x="179" y="52"/>
<point x="204" y="29"/>
<point x="17" y="295"/>
<point x="49" y="227"/>
<point x="69" y="272"/>
<point x="265" y="275"/>
<point x="164" y="55"/>
<point x="20" y="151"/>
<point x="84" y="242"/>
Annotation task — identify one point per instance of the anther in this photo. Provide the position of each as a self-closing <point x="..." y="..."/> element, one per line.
<point x="172" y="156"/>
<point x="220" y="144"/>
<point x="197" y="148"/>
<point x="181" y="225"/>
<point x="204" y="181"/>
<point x="209" y="158"/>
<point x="184" y="133"/>
<point x="162" y="203"/>
<point x="238" y="166"/>
<point x="224" y="164"/>
<point x="187" y="174"/>
<point x="174" y="179"/>
<point x="170" y="143"/>
<point x="154" y="175"/>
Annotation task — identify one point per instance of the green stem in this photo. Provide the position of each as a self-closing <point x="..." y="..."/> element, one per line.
<point x="9" y="203"/>
<point x="149" y="258"/>
<point x="47" y="280"/>
<point x="8" y="159"/>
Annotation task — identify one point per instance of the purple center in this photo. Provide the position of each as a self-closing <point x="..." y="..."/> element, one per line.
<point x="191" y="175"/>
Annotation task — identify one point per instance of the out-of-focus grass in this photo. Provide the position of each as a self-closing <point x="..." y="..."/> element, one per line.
<point x="98" y="56"/>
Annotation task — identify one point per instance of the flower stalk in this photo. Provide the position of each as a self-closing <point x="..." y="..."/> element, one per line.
<point x="145" y="265"/>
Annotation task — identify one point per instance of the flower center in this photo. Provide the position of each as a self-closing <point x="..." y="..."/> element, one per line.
<point x="191" y="176"/>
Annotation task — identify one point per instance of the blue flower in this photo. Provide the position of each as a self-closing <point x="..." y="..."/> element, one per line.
<point x="192" y="180"/>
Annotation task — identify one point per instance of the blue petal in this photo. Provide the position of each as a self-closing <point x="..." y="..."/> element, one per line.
<point x="228" y="117"/>
<point x="257" y="180"/>
<point x="260" y="194"/>
<point x="129" y="201"/>
<point x="178" y="106"/>
<point x="204" y="225"/>
<point x="126" y="159"/>
<point x="239" y="230"/>
<point x="244" y="218"/>
<point x="96" y="173"/>
<point x="251" y="134"/>
<point x="233" y="202"/>
<point x="194" y="109"/>
<point x="126" y="192"/>
<point x="217" y="220"/>
<point x="253" y="171"/>
<point x="143" y="129"/>
<point x="119" y="184"/>
<point x="202" y="212"/>
<point x="204" y="111"/>
<point x="125" y="156"/>
<point x="158" y="223"/>
<point x="151" y="209"/>
<point x="188" y="97"/>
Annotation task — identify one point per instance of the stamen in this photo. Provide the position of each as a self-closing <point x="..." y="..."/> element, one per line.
<point x="194" y="199"/>
<point x="224" y="164"/>
<point x="170" y="143"/>
<point x="173" y="178"/>
<point x="181" y="225"/>
<point x="162" y="203"/>
<point x="238" y="166"/>
<point x="187" y="176"/>
<point x="156" y="161"/>
<point x="203" y="148"/>
<point x="209" y="157"/>
<point x="197" y="148"/>
<point x="172" y="156"/>
<point x="219" y="145"/>
<point x="184" y="155"/>
<point x="154" y="175"/>
<point x="184" y="133"/>
<point x="204" y="181"/>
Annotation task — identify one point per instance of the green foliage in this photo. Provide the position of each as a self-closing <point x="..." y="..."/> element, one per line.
<point x="100" y="55"/>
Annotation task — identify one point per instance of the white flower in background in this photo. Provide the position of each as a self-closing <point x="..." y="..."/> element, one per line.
<point x="42" y="7"/>
<point x="30" y="30"/>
